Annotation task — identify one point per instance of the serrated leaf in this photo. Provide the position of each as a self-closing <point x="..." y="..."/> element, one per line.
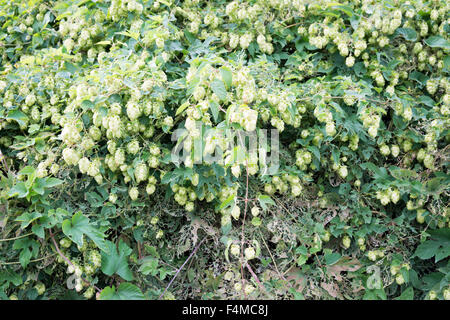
<point x="19" y="190"/>
<point x="218" y="87"/>
<point x="227" y="76"/>
<point x="419" y="77"/>
<point x="332" y="258"/>
<point x="79" y="226"/>
<point x="27" y="218"/>
<point x="437" y="42"/>
<point x="38" y="230"/>
<point x="403" y="174"/>
<point x="87" y="105"/>
<point x="214" y="110"/>
<point x="125" y="291"/>
<point x="53" y="182"/>
<point x="265" y="200"/>
<point x="11" y="276"/>
<point x="301" y="260"/>
<point x="227" y="202"/>
<point x="407" y="33"/>
<point x="315" y="151"/>
<point x="182" y="108"/>
<point x="116" y="260"/>
<point x="436" y="185"/>
<point x="346" y="9"/>
<point x="149" y="266"/>
<point x="18" y="116"/>
<point x="427" y="249"/>
<point x="28" y="170"/>
<point x="407" y="294"/>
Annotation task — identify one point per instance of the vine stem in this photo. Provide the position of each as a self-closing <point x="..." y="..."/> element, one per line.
<point x="261" y="287"/>
<point x="18" y="262"/>
<point x="243" y="228"/>
<point x="52" y="236"/>
<point x="18" y="237"/>
<point x="139" y="250"/>
<point x="273" y="259"/>
<point x="3" y="160"/>
<point x="178" y="271"/>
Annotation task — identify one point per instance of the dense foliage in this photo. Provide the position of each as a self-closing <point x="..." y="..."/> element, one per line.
<point x="93" y="204"/>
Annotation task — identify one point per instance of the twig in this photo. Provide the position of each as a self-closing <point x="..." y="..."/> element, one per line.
<point x="292" y="25"/>
<point x="273" y="259"/>
<point x="178" y="271"/>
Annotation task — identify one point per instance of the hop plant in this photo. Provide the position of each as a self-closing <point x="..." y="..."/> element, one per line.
<point x="133" y="193"/>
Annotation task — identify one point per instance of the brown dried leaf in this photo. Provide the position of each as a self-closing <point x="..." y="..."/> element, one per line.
<point x="344" y="264"/>
<point x="332" y="289"/>
<point x="296" y="275"/>
<point x="344" y="214"/>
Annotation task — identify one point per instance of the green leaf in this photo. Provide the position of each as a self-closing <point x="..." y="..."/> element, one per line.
<point x="256" y="221"/>
<point x="336" y="153"/>
<point x="19" y="190"/>
<point x="408" y="294"/>
<point x="18" y="116"/>
<point x="426" y="100"/>
<point x="346" y="9"/>
<point x="315" y="151"/>
<point x="360" y="69"/>
<point x="38" y="186"/>
<point x="115" y="261"/>
<point x="125" y="291"/>
<point x="78" y="226"/>
<point x="301" y="260"/>
<point x="27" y="218"/>
<point x="442" y="235"/>
<point x="28" y="170"/>
<point x="437" y="42"/>
<point x="52" y="182"/>
<point x="214" y="110"/>
<point x="301" y="250"/>
<point x="87" y="105"/>
<point x="149" y="266"/>
<point x="38" y="230"/>
<point x="419" y="77"/>
<point x="265" y="200"/>
<point x="442" y="253"/>
<point x="30" y="248"/>
<point x="436" y="185"/>
<point x="438" y="246"/>
<point x="402" y="174"/>
<point x="182" y="108"/>
<point x="218" y="88"/>
<point x="33" y="128"/>
<point x="427" y="249"/>
<point x="407" y="33"/>
<point x="227" y="202"/>
<point x="332" y="258"/>
<point x="226" y="228"/>
<point x="11" y="276"/>
<point x="227" y="76"/>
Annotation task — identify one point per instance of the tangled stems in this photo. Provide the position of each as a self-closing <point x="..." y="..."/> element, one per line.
<point x="180" y="268"/>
